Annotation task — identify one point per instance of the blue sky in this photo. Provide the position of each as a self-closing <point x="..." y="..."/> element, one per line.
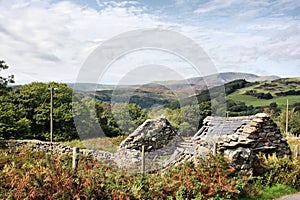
<point x="50" y="40"/>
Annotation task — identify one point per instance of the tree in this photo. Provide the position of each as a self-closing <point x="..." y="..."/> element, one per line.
<point x="13" y="123"/>
<point x="173" y="116"/>
<point x="86" y="115"/>
<point x="107" y="121"/>
<point x="294" y="121"/>
<point x="272" y="110"/>
<point x="4" y="81"/>
<point x="128" y="116"/>
<point x="188" y="119"/>
<point x="138" y="114"/>
<point x="34" y="98"/>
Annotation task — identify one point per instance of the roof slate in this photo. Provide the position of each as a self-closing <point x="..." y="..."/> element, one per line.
<point x="218" y="126"/>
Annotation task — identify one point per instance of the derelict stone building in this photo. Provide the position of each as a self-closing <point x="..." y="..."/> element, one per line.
<point x="241" y="139"/>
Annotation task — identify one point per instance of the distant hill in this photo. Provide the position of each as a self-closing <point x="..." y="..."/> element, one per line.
<point x="167" y="92"/>
<point x="90" y="86"/>
<point x="221" y="78"/>
<point x="199" y="84"/>
<point x="196" y="83"/>
<point x="265" y="92"/>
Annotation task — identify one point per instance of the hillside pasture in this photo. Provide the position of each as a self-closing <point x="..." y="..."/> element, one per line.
<point x="250" y="100"/>
<point x="279" y="85"/>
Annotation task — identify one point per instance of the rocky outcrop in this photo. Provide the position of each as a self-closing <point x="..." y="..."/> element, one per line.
<point x="159" y="139"/>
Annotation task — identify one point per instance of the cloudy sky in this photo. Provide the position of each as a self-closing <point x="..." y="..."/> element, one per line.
<point x="50" y="40"/>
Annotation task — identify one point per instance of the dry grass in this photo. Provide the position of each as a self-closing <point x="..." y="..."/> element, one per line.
<point x="103" y="144"/>
<point x="294" y="143"/>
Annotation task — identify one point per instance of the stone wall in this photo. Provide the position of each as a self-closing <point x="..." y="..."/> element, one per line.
<point x="61" y="149"/>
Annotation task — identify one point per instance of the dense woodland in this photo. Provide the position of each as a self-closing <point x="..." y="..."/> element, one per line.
<point x="25" y="111"/>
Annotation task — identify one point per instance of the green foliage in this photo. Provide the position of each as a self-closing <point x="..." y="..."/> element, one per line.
<point x="272" y="110"/>
<point x="138" y="114"/>
<point x="294" y="121"/>
<point x="276" y="91"/>
<point x="289" y="92"/>
<point x="128" y="116"/>
<point x="237" y="108"/>
<point x="275" y="177"/>
<point x="276" y="191"/>
<point x="147" y="102"/>
<point x="185" y="119"/>
<point x="173" y="116"/>
<point x="25" y="113"/>
<point x="259" y="95"/>
<point x="42" y="176"/>
<point x="34" y="100"/>
<point x="4" y="81"/>
<point x="92" y="114"/>
<point x="279" y="171"/>
<point x="189" y="118"/>
<point x="13" y="123"/>
<point x="214" y="93"/>
<point x="107" y="121"/>
<point x="86" y="113"/>
<point x="235" y="85"/>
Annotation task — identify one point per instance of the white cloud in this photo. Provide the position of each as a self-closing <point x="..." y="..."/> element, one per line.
<point x="55" y="39"/>
<point x="45" y="40"/>
<point x="282" y="35"/>
<point x="214" y="5"/>
<point x="247" y="8"/>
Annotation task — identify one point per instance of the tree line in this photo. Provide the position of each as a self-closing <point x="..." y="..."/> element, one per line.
<point x="25" y="112"/>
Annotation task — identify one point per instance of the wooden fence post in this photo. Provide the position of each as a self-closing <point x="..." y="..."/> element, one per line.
<point x="297" y="151"/>
<point x="75" y="158"/>
<point x="215" y="148"/>
<point x="143" y="160"/>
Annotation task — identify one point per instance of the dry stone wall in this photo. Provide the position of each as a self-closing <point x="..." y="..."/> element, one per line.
<point x="61" y="149"/>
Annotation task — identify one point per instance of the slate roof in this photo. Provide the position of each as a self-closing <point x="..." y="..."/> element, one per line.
<point x="218" y="126"/>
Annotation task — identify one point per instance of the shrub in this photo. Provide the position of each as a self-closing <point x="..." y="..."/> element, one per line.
<point x="33" y="175"/>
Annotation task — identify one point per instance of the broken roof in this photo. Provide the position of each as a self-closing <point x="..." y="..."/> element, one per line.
<point x="218" y="126"/>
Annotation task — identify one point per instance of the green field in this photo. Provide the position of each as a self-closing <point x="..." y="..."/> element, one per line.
<point x="280" y="85"/>
<point x="272" y="87"/>
<point x="250" y="100"/>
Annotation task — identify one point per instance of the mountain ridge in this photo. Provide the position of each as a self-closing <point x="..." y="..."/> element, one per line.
<point x="195" y="83"/>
